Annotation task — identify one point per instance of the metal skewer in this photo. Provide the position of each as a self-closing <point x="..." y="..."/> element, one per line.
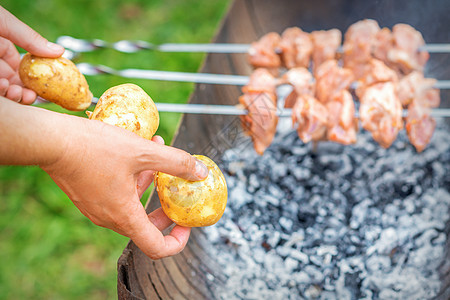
<point x="89" y="69"/>
<point x="238" y="110"/>
<point x="125" y="46"/>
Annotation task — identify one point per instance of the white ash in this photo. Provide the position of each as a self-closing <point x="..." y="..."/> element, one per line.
<point x="343" y="222"/>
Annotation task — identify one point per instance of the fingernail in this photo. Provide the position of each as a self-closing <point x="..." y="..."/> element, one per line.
<point x="201" y="171"/>
<point x="54" y="47"/>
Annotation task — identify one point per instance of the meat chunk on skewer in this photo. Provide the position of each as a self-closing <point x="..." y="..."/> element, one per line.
<point x="342" y="125"/>
<point x="415" y="86"/>
<point x="331" y="79"/>
<point x="302" y="82"/>
<point x="311" y="118"/>
<point x="375" y="72"/>
<point x="357" y="47"/>
<point x="296" y="48"/>
<point x="261" y="121"/>
<point x="260" y="100"/>
<point x="405" y="52"/>
<point x="419" y="125"/>
<point x="261" y="80"/>
<point x="381" y="112"/>
<point x="326" y="44"/>
<point x="382" y="43"/>
<point x="263" y="53"/>
<point x="418" y="94"/>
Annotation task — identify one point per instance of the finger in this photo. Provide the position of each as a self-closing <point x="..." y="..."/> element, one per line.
<point x="7" y="72"/>
<point x="9" y="53"/>
<point x="28" y="96"/>
<point x="15" y="79"/>
<point x="158" y="139"/>
<point x="157" y="246"/>
<point x="159" y="219"/>
<point x="144" y="180"/>
<point x="146" y="177"/>
<point x="170" y="160"/>
<point x="14" y="93"/>
<point x="148" y="237"/>
<point x="23" y="36"/>
<point x="4" y="85"/>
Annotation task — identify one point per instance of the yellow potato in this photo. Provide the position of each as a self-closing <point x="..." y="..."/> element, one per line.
<point x="129" y="107"/>
<point x="57" y="80"/>
<point x="193" y="203"/>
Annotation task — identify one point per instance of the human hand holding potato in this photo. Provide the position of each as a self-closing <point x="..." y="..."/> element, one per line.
<point x="57" y="80"/>
<point x="187" y="203"/>
<point x="193" y="203"/>
<point x="129" y="107"/>
<point x="13" y="31"/>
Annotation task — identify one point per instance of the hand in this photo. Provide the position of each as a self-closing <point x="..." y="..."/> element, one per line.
<point x="13" y="31"/>
<point x="104" y="170"/>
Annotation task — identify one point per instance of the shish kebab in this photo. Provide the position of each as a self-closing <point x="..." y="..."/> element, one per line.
<point x="208" y="78"/>
<point x="368" y="51"/>
<point x="387" y="64"/>
<point x="126" y="46"/>
<point x="89" y="70"/>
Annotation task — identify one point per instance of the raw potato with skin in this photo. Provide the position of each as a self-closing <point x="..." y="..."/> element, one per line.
<point x="193" y="203"/>
<point x="57" y="80"/>
<point x="129" y="107"/>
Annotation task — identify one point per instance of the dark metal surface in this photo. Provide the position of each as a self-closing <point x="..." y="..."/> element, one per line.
<point x="184" y="276"/>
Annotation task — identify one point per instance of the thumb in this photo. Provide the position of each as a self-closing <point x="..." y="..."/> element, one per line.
<point x="23" y="36"/>
<point x="172" y="161"/>
<point x="145" y="178"/>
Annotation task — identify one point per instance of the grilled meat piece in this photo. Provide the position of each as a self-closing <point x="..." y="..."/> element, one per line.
<point x="419" y="125"/>
<point x="418" y="94"/>
<point x="357" y="47"/>
<point x="302" y="82"/>
<point x="261" y="80"/>
<point x="381" y="112"/>
<point x="326" y="44"/>
<point x="296" y="48"/>
<point x="415" y="86"/>
<point x="382" y="43"/>
<point x="405" y="52"/>
<point x="260" y="100"/>
<point x="331" y="79"/>
<point x="263" y="53"/>
<point x="375" y="72"/>
<point x="342" y="125"/>
<point x="311" y="118"/>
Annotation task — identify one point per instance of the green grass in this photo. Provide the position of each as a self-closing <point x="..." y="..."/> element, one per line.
<point x="49" y="250"/>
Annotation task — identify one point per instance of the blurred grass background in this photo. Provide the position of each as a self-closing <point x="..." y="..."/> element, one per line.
<point x="48" y="249"/>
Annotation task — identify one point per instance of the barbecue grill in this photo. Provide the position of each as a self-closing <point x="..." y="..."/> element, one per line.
<point x="188" y="274"/>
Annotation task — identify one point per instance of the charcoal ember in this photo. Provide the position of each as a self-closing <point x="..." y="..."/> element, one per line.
<point x="286" y="224"/>
<point x="313" y="292"/>
<point x="291" y="264"/>
<point x="343" y="222"/>
<point x="301" y="277"/>
<point x="300" y="256"/>
<point x="330" y="235"/>
<point x="314" y="273"/>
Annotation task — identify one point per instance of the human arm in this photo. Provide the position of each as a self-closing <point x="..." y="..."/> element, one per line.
<point x="103" y="169"/>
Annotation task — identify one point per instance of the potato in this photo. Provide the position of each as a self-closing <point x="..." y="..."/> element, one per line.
<point x="57" y="80"/>
<point x="193" y="203"/>
<point x="129" y="107"/>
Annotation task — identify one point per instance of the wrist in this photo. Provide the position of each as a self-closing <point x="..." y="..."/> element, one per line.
<point x="31" y="135"/>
